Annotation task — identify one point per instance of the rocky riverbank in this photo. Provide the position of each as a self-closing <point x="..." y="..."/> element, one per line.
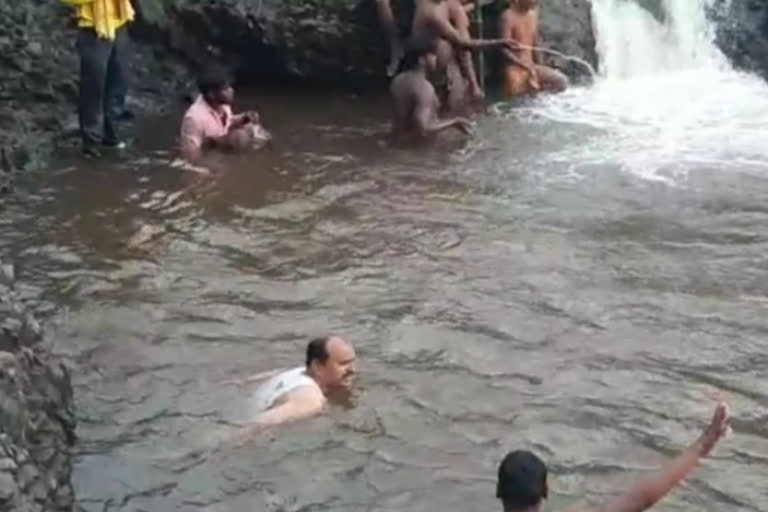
<point x="39" y="82"/>
<point x="37" y="426"/>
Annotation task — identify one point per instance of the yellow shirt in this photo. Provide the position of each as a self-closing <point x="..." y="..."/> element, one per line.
<point x="105" y="16"/>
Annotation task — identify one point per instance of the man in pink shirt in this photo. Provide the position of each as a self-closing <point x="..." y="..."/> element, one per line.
<point x="209" y="122"/>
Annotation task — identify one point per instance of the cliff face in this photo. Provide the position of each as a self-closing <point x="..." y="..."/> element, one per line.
<point x="36" y="417"/>
<point x="330" y="42"/>
<point x="742" y="33"/>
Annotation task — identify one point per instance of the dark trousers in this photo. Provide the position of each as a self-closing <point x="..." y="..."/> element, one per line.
<point x="103" y="79"/>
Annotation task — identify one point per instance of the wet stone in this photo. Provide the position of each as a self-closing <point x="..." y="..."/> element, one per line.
<point x="8" y="487"/>
<point x="7" y="464"/>
<point x="39" y="492"/>
<point x="27" y="475"/>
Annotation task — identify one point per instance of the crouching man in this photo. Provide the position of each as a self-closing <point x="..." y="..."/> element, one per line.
<point x="210" y="123"/>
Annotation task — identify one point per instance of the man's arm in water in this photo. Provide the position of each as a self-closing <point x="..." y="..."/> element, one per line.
<point x="302" y="403"/>
<point x="425" y="118"/>
<point x="443" y="27"/>
<point x="648" y="491"/>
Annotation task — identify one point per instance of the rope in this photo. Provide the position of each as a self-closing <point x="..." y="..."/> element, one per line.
<point x="587" y="65"/>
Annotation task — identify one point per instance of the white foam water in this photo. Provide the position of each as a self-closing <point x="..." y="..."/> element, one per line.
<point x="667" y="100"/>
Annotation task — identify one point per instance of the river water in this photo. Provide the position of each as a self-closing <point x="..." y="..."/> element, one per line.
<point x="580" y="279"/>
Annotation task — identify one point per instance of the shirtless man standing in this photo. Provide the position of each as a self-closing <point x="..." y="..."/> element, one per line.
<point x="433" y="22"/>
<point x="415" y="101"/>
<point x="523" y="74"/>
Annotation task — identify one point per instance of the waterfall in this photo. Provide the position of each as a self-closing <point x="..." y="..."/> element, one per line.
<point x="633" y="42"/>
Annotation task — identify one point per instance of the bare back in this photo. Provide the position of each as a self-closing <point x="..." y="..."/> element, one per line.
<point x="412" y="95"/>
<point x="523" y="28"/>
<point x="428" y="19"/>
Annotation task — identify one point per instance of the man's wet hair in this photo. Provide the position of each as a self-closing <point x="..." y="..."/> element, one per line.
<point x="522" y="481"/>
<point x="317" y="350"/>
<point x="213" y="78"/>
<point x="415" y="49"/>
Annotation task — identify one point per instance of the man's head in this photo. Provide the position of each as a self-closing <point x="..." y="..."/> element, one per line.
<point x="331" y="362"/>
<point x="420" y="52"/>
<point x="215" y="84"/>
<point x="522" y="484"/>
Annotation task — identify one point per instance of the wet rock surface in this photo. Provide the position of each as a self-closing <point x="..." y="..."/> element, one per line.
<point x="332" y="42"/>
<point x="37" y="425"/>
<point x="39" y="83"/>
<point x="742" y="33"/>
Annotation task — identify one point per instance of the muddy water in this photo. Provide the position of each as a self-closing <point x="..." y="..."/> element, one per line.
<point x="498" y="300"/>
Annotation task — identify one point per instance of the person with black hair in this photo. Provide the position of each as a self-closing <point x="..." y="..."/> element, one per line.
<point x="522" y="480"/>
<point x="523" y="71"/>
<point x="416" y="104"/>
<point x="329" y="369"/>
<point x="209" y="121"/>
<point x="440" y="22"/>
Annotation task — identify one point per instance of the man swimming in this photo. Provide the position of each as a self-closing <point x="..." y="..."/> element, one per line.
<point x="303" y="392"/>
<point x="433" y="22"/>
<point x="522" y="72"/>
<point x="522" y="483"/>
<point x="415" y="101"/>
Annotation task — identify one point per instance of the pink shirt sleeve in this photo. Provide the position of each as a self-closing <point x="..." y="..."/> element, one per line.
<point x="191" y="137"/>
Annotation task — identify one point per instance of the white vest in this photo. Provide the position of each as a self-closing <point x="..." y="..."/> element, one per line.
<point x="271" y="391"/>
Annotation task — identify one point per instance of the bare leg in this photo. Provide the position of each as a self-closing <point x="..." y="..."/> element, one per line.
<point x="516" y="81"/>
<point x="388" y="23"/>
<point x="551" y="80"/>
<point x="466" y="61"/>
<point x="457" y="87"/>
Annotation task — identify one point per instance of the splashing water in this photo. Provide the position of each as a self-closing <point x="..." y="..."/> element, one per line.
<point x="667" y="101"/>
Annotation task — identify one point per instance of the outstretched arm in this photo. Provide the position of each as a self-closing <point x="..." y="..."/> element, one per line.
<point x="449" y="33"/>
<point x="648" y="491"/>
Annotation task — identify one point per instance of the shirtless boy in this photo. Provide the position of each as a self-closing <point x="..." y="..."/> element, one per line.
<point x="523" y="74"/>
<point x="415" y="102"/>
<point x="433" y="22"/>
